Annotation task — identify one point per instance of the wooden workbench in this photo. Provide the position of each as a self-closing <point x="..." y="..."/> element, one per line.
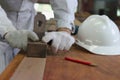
<point x="57" y="68"/>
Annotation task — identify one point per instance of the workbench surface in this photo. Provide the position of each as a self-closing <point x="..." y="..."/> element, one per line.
<point x="57" y="68"/>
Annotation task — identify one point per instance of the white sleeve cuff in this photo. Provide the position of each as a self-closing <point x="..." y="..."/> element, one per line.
<point x="61" y="23"/>
<point x="65" y="24"/>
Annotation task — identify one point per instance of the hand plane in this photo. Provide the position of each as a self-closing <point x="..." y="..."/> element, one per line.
<point x="38" y="49"/>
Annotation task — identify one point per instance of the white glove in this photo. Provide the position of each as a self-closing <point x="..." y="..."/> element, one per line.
<point x="19" y="38"/>
<point x="60" y="40"/>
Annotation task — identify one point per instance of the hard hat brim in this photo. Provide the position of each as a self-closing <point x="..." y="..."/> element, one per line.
<point x="100" y="50"/>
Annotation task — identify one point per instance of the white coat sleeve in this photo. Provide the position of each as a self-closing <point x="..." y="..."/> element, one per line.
<point x="64" y="12"/>
<point x="5" y="24"/>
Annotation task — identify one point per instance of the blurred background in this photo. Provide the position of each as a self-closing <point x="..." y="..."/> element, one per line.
<point x="85" y="8"/>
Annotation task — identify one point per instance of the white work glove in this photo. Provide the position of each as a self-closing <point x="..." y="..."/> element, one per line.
<point x="16" y="38"/>
<point x="60" y="40"/>
<point x="19" y="38"/>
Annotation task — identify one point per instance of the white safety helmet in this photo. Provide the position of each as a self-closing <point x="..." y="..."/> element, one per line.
<point x="99" y="35"/>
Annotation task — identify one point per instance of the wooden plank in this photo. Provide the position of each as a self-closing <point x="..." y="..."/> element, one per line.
<point x="30" y="69"/>
<point x="57" y="68"/>
<point x="8" y="72"/>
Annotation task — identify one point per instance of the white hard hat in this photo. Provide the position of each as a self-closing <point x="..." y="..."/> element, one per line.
<point x="99" y="35"/>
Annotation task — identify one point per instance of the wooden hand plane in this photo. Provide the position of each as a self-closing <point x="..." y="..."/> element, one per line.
<point x="38" y="49"/>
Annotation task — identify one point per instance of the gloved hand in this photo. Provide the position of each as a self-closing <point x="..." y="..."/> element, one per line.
<point x="19" y="38"/>
<point x="60" y="40"/>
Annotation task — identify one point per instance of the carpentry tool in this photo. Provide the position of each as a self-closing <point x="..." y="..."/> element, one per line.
<point x="38" y="49"/>
<point x="39" y="25"/>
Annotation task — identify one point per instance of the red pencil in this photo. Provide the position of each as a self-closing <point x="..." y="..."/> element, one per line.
<point x="80" y="61"/>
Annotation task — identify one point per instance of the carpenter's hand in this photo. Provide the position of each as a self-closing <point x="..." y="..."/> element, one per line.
<point x="60" y="40"/>
<point x="19" y="38"/>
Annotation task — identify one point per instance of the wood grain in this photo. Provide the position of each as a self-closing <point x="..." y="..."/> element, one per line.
<point x="30" y="69"/>
<point x="57" y="68"/>
<point x="12" y="67"/>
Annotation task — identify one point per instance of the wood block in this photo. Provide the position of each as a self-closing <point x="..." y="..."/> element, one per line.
<point x="30" y="69"/>
<point x="37" y="49"/>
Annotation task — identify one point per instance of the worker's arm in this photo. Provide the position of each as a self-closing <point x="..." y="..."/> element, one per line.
<point x="64" y="11"/>
<point x="16" y="38"/>
<point x="64" y="14"/>
<point x="5" y="24"/>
